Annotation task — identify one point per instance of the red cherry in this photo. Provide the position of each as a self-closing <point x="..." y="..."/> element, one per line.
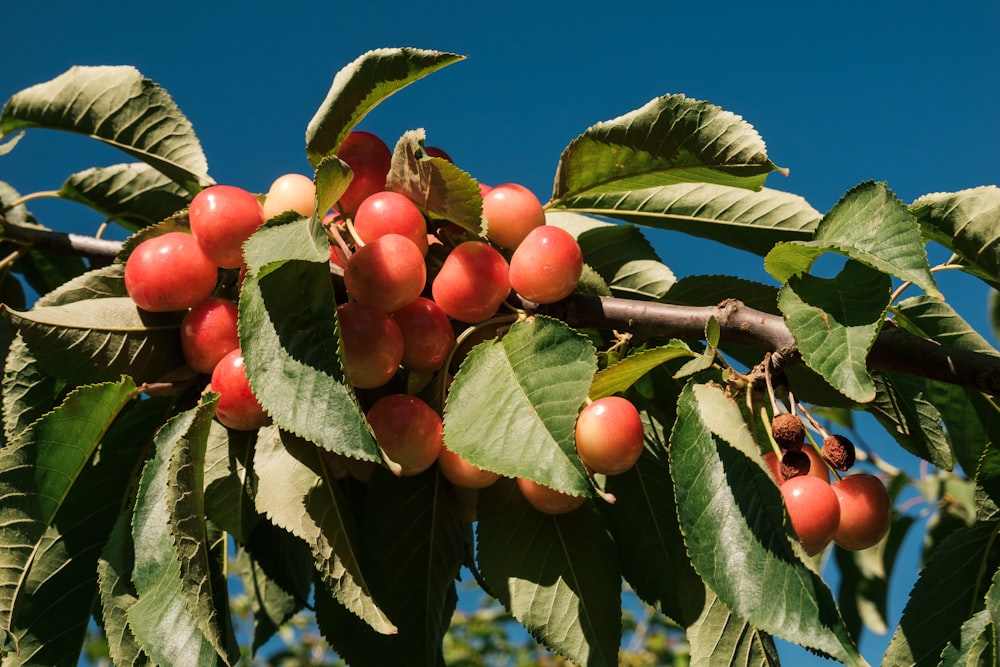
<point x="461" y="473"/>
<point x="548" y="500"/>
<point x="865" y="511"/>
<point x="408" y="431"/>
<point x="372" y="343"/>
<point x="814" y="511"/>
<point x="391" y="213"/>
<point x="609" y="435"/>
<point x="222" y="218"/>
<point x="209" y="332"/>
<point x="169" y="273"/>
<point x="472" y="282"/>
<point x="546" y="265"/>
<point x="427" y="334"/>
<point x="238" y="408"/>
<point x="370" y="159"/>
<point x="387" y="274"/>
<point x="511" y="211"/>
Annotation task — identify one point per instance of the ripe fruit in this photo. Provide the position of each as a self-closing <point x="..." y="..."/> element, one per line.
<point x="788" y="431"/>
<point x="814" y="511"/>
<point x="408" y="431"/>
<point x="609" y="435"/>
<point x="387" y="274"/>
<point x="208" y="333"/>
<point x="238" y="408"/>
<point x="546" y="265"/>
<point x="472" y="282"/>
<point x="548" y="500"/>
<point x="369" y="158"/>
<point x="427" y="334"/>
<point x="290" y="192"/>
<point x="461" y="473"/>
<point x="391" y="213"/>
<point x="372" y="344"/>
<point x="434" y="151"/>
<point x="511" y="211"/>
<point x="169" y="272"/>
<point x="222" y="218"/>
<point x="865" y="511"/>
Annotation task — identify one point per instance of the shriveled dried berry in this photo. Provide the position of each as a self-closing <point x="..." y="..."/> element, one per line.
<point x="794" y="463"/>
<point x="788" y="431"/>
<point x="839" y="451"/>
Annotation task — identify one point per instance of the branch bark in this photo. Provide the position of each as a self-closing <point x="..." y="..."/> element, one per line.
<point x="894" y="350"/>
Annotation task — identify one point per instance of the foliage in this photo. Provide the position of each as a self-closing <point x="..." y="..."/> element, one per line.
<point x="131" y="518"/>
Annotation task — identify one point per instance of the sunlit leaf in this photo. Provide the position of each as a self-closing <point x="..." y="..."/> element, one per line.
<point x="116" y="105"/>
<point x="736" y="532"/>
<point x="720" y="637"/>
<point x="906" y="412"/>
<point x="539" y="374"/>
<point x="558" y="575"/>
<point x="359" y="86"/>
<point x="965" y="222"/>
<point x="620" y="376"/>
<point x="671" y="139"/>
<point x="133" y="194"/>
<point x="228" y="496"/>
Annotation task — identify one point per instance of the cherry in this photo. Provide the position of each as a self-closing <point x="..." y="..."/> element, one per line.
<point x="434" y="151"/>
<point x="461" y="473"/>
<point x="511" y="211"/>
<point x="388" y="273"/>
<point x="369" y="158"/>
<point x="814" y="511"/>
<point x="546" y="265"/>
<point x="238" y="408"/>
<point x="290" y="192"/>
<point x="408" y="431"/>
<point x="372" y="344"/>
<point x="169" y="272"/>
<point x="222" y="218"/>
<point x="817" y="466"/>
<point x="427" y="334"/>
<point x="472" y="282"/>
<point x="208" y="333"/>
<point x="546" y="499"/>
<point x="391" y="213"/>
<point x="609" y="435"/>
<point x="865" y="511"/>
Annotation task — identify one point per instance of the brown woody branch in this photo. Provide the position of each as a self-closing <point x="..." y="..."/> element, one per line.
<point x="894" y="350"/>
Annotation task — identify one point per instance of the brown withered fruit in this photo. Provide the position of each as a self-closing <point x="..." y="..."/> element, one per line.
<point x="794" y="463"/>
<point x="838" y="451"/>
<point x="788" y="431"/>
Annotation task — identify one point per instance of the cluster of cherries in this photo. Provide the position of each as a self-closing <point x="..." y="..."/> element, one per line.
<point x="853" y="512"/>
<point x="402" y="310"/>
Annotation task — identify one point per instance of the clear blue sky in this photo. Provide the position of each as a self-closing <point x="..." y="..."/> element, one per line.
<point x="905" y="92"/>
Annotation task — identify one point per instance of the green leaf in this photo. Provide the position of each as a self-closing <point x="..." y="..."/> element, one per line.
<point x="620" y="376"/>
<point x="116" y="105"/>
<point x="976" y="646"/>
<point x="167" y="629"/>
<point x="557" y="574"/>
<point x="736" y="532"/>
<point x="290" y="344"/>
<point x="333" y="177"/>
<point x="904" y="409"/>
<point x="745" y="219"/>
<point x="40" y="470"/>
<point x="626" y="260"/>
<point x="538" y="377"/>
<point x="296" y="493"/>
<point x="707" y="290"/>
<point x="720" y="637"/>
<point x="134" y="194"/>
<point x="28" y="391"/>
<point x="643" y="521"/>
<point x="835" y="322"/>
<point x="951" y="586"/>
<point x="97" y="339"/>
<point x="935" y="319"/>
<point x="972" y="421"/>
<point x="62" y="581"/>
<point x="413" y="516"/>
<point x="228" y="497"/>
<point x="870" y="225"/>
<point x="438" y="187"/>
<point x="965" y="222"/>
<point x="185" y="498"/>
<point x="671" y="139"/>
<point x="118" y="595"/>
<point x="359" y="86"/>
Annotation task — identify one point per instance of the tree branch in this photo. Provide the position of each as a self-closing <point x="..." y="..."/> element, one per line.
<point x="894" y="350"/>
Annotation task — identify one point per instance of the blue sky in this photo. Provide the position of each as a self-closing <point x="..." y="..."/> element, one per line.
<point x="903" y="92"/>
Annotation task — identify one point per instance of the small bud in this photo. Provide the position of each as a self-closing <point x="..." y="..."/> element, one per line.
<point x="788" y="431"/>
<point x="838" y="451"/>
<point x="794" y="463"/>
